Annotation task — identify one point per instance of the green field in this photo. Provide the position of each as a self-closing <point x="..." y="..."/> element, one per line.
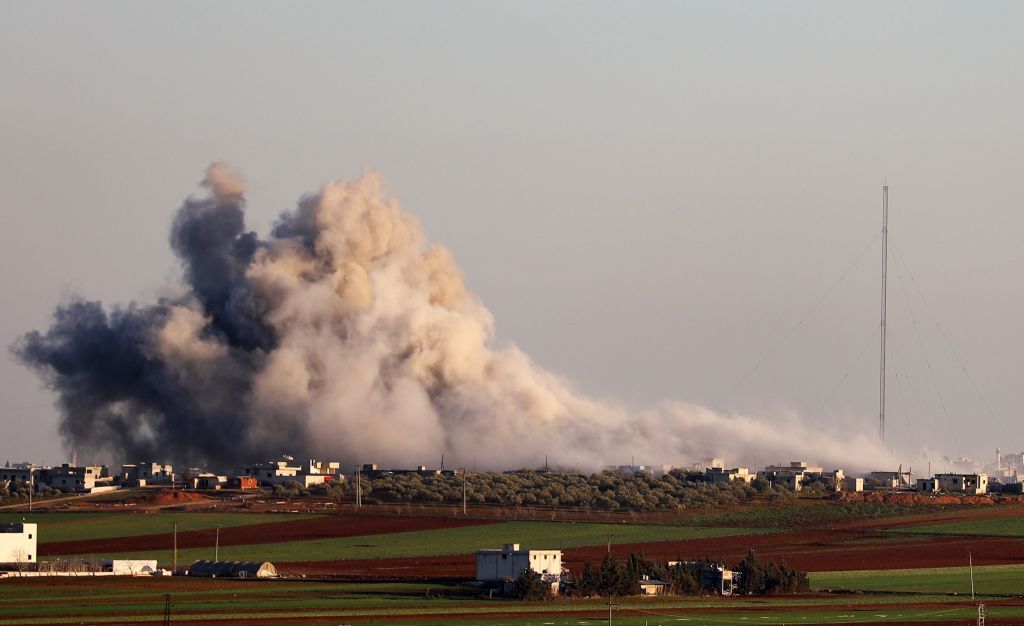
<point x="451" y="541"/>
<point x="988" y="580"/>
<point x="75" y="526"/>
<point x="993" y="527"/>
<point x="95" y="601"/>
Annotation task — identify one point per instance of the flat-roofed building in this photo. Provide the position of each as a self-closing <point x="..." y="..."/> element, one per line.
<point x="721" y="475"/>
<point x="494" y="566"/>
<point x="972" y="484"/>
<point x="147" y="473"/>
<point x="18" y="545"/>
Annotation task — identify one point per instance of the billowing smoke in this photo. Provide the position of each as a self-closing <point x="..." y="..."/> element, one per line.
<point x="347" y="334"/>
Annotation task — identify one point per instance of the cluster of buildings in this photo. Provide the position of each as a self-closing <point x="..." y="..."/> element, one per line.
<point x="83" y="479"/>
<point x="18" y="555"/>
<point x="795" y="475"/>
<point x="499" y="569"/>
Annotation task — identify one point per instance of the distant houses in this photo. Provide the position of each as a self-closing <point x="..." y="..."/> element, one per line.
<point x="284" y="471"/>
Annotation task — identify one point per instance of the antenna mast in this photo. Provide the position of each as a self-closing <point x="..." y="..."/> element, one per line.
<point x="885" y="269"/>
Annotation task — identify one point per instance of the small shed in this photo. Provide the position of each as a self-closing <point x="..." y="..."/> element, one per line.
<point x="232" y="569"/>
<point x="653" y="587"/>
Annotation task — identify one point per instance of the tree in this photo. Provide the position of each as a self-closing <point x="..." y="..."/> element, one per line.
<point x="529" y="586"/>
<point x="21" y="561"/>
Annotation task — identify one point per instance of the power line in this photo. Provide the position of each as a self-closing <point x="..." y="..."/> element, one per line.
<point x="949" y="344"/>
<point x="799" y="323"/>
<point x="920" y="342"/>
<point x="846" y="374"/>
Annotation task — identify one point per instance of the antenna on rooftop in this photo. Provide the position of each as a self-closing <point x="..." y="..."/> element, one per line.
<point x="885" y="270"/>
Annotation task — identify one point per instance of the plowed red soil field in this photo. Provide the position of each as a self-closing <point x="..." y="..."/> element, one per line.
<point x="860" y="545"/>
<point x="272" y="532"/>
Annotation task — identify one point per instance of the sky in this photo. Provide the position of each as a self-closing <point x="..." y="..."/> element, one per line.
<point x="656" y="201"/>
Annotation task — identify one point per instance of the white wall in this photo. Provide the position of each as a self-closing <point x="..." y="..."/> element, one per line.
<point x="19" y="547"/>
<point x="494" y="565"/>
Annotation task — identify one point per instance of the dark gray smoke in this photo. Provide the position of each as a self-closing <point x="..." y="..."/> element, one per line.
<point x="344" y="334"/>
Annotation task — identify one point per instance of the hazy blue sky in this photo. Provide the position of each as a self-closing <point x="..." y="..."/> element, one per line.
<point x="647" y="196"/>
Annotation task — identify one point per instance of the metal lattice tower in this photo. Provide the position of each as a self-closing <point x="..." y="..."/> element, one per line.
<point x="981" y="615"/>
<point x="167" y="609"/>
<point x="885" y="271"/>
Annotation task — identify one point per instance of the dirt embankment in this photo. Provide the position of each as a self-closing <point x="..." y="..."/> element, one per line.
<point x="168" y="497"/>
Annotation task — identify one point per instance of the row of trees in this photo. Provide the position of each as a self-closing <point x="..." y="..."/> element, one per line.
<point x="18" y="490"/>
<point x="751" y="576"/>
<point x="676" y="489"/>
<point x="623" y="579"/>
<point x="769" y="578"/>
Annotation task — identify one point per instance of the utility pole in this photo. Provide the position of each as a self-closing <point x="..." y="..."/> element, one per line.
<point x="216" y="546"/>
<point x="970" y="564"/>
<point x="464" y="492"/>
<point x="167" y="609"/>
<point x="31" y="488"/>
<point x="359" y="486"/>
<point x="885" y="272"/>
<point x="174" y="567"/>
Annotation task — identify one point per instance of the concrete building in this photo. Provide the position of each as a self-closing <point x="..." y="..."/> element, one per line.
<point x="495" y="566"/>
<point x="18" y="545"/>
<point x="209" y="481"/>
<point x="794" y="475"/>
<point x="653" y="587"/>
<point x="926" y="485"/>
<point x="702" y="464"/>
<point x="971" y="484"/>
<point x="853" y="484"/>
<point x="244" y="482"/>
<point x="11" y="475"/>
<point x="789" y="476"/>
<point x="146" y="473"/>
<point x="892" y="480"/>
<point x="284" y="470"/>
<point x="721" y="475"/>
<point x="75" y="478"/>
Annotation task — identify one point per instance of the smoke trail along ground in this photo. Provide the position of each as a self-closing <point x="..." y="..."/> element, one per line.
<point x="346" y="333"/>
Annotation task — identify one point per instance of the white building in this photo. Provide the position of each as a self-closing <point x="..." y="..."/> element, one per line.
<point x="284" y="470"/>
<point x="494" y="566"/>
<point x="17" y="545"/>
<point x="209" y="481"/>
<point x="721" y="475"/>
<point x="972" y="484"/>
<point x="853" y="484"/>
<point x="76" y="478"/>
<point x="145" y="473"/>
<point x="892" y="480"/>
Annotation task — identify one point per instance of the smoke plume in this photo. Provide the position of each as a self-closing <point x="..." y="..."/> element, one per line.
<point x="346" y="334"/>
